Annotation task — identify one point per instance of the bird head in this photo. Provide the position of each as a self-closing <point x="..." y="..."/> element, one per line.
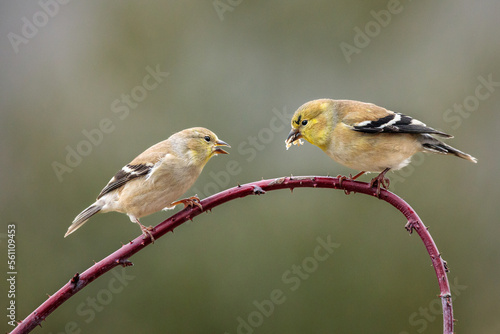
<point x="313" y="121"/>
<point x="199" y="145"/>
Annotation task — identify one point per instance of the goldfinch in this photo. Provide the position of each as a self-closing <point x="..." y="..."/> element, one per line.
<point x="366" y="137"/>
<point x="156" y="177"/>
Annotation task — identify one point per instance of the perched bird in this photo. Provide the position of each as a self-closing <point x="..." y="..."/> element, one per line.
<point x="155" y="178"/>
<point x="366" y="137"/>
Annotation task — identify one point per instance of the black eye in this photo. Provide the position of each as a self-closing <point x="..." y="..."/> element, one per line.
<point x="304" y="122"/>
<point x="207" y="138"/>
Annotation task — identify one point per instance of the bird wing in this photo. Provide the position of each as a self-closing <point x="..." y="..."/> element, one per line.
<point x="127" y="173"/>
<point x="373" y="119"/>
<point x="143" y="165"/>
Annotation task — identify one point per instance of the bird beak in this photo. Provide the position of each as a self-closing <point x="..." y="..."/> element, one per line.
<point x="217" y="149"/>
<point x="293" y="136"/>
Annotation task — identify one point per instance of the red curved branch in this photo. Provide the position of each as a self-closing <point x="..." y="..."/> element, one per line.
<point x="121" y="256"/>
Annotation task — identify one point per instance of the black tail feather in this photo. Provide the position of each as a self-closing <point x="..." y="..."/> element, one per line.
<point x="430" y="143"/>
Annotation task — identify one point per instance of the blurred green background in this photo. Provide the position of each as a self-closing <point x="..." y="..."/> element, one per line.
<point x="241" y="68"/>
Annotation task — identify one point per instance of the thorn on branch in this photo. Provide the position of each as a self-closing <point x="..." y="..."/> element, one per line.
<point x="75" y="280"/>
<point x="258" y="190"/>
<point x="445" y="265"/>
<point x="448" y="299"/>
<point x="124" y="263"/>
<point x="411" y="225"/>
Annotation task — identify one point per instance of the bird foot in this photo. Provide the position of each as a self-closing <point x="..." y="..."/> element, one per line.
<point x="380" y="181"/>
<point x="146" y="231"/>
<point x="190" y="201"/>
<point x="342" y="178"/>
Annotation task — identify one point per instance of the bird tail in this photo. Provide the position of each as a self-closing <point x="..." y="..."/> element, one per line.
<point x="432" y="144"/>
<point x="83" y="217"/>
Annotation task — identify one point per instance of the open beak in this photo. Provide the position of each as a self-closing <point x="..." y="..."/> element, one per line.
<point x="217" y="149"/>
<point x="293" y="136"/>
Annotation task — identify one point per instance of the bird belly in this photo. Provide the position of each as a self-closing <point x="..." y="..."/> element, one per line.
<point x="375" y="152"/>
<point x="142" y="197"/>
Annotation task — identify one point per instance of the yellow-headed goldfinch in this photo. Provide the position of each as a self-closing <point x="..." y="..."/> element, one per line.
<point x="366" y="137"/>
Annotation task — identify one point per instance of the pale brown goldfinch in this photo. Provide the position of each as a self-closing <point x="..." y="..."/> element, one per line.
<point x="366" y="137"/>
<point x="155" y="178"/>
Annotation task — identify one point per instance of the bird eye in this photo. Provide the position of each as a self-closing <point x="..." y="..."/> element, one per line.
<point x="207" y="138"/>
<point x="304" y="122"/>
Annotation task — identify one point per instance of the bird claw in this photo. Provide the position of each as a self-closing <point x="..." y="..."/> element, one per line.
<point x="190" y="201"/>
<point x="380" y="181"/>
<point x="342" y="178"/>
<point x="146" y="231"/>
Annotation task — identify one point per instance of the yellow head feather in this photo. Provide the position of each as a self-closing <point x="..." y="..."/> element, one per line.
<point x="314" y="121"/>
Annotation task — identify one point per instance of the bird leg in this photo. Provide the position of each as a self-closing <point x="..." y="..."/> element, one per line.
<point x="380" y="181"/>
<point x="146" y="230"/>
<point x="190" y="201"/>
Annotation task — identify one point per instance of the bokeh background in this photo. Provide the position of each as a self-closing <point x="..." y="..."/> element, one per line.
<point x="241" y="68"/>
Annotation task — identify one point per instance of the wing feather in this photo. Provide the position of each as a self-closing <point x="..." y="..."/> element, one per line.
<point x="127" y="173"/>
<point x="369" y="118"/>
